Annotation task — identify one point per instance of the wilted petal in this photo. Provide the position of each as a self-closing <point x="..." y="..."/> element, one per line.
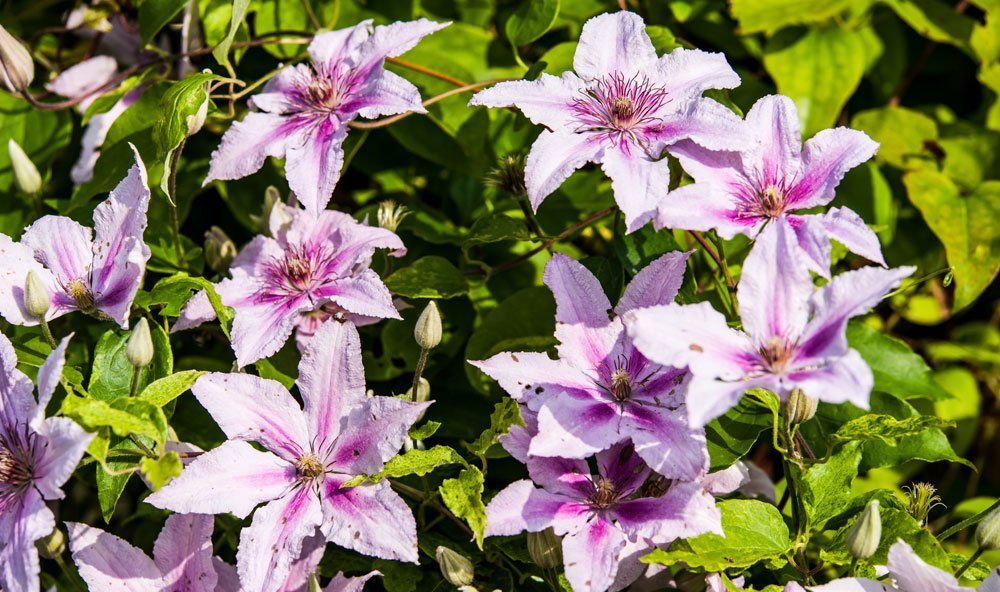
<point x="273" y="541"/>
<point x="775" y="121"/>
<point x="183" y="553"/>
<point x="523" y="507"/>
<point x="638" y="183"/>
<point x="234" y="478"/>
<point x="708" y="124"/>
<point x="684" y="511"/>
<point x="686" y="73"/>
<point x="910" y="572"/>
<point x="547" y="101"/>
<point x="331" y="378"/>
<point x="65" y="444"/>
<point x="553" y="158"/>
<point x="255" y="409"/>
<point x="372" y="433"/>
<point x="370" y="519"/>
<point x="657" y="283"/>
<point x="247" y="144"/>
<point x="313" y="162"/>
<point x="591" y="555"/>
<point x="825" y="158"/>
<point x="845" y="378"/>
<point x="614" y="42"/>
<point x="25" y="519"/>
<point x="106" y="562"/>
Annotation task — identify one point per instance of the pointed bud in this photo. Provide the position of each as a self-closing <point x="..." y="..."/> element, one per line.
<point x="53" y="545"/>
<point x="865" y="535"/>
<point x="36" y="296"/>
<point x="263" y="221"/>
<point x="509" y="175"/>
<point x="139" y="349"/>
<point x="26" y="175"/>
<point x="219" y="249"/>
<point x="545" y="549"/>
<point x="428" y="329"/>
<point x="799" y="407"/>
<point x="988" y="531"/>
<point x="423" y="393"/>
<point x="16" y="64"/>
<point x="454" y="567"/>
<point x="390" y="214"/>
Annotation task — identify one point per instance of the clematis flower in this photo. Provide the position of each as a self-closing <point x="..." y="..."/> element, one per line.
<point x="303" y="112"/>
<point x="909" y="573"/>
<point x="37" y="455"/>
<point x="97" y="275"/>
<point x="313" y="267"/>
<point x="602" y="390"/>
<point x="604" y="518"/>
<point x="794" y="334"/>
<point x="309" y="454"/>
<point x="738" y="193"/>
<point x="621" y="108"/>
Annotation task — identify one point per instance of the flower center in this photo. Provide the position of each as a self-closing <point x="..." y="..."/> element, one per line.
<point x="15" y="462"/>
<point x="620" y="379"/>
<point x="776" y="354"/>
<point x="309" y="467"/>
<point x="620" y="105"/>
<point x="81" y="294"/>
<point x="605" y="494"/>
<point x="771" y="201"/>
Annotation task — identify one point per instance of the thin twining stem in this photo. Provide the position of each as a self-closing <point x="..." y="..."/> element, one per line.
<point x="455" y="91"/>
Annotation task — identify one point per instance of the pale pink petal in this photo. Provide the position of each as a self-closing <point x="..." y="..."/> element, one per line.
<point x="848" y="585"/>
<point x="708" y="124"/>
<point x="370" y="519"/>
<point x="342" y="583"/>
<point x="846" y="227"/>
<point x="614" y="42"/>
<point x="591" y="555"/>
<point x="910" y="572"/>
<point x="331" y="378"/>
<point x="715" y="397"/>
<point x="726" y="481"/>
<point x="523" y="507"/>
<point x="197" y="311"/>
<point x="62" y="245"/>
<point x="393" y="40"/>
<point x="106" y="562"/>
<point x="183" y="553"/>
<point x="364" y="294"/>
<point x="23" y="521"/>
<point x="775" y="121"/>
<point x="313" y="162"/>
<point x="65" y="444"/>
<point x="548" y="101"/>
<point x="562" y="476"/>
<point x="657" y="283"/>
<point x="282" y="95"/>
<point x="234" y="478"/>
<point x="663" y="439"/>
<point x="813" y="242"/>
<point x="248" y="143"/>
<point x="639" y="183"/>
<point x="390" y="94"/>
<point x="84" y="77"/>
<point x="372" y="433"/>
<point x="553" y="158"/>
<point x="992" y="583"/>
<point x="575" y="427"/>
<point x="774" y="287"/>
<point x="17" y="401"/>
<point x="95" y="133"/>
<point x="825" y="158"/>
<point x="843" y="379"/>
<point x="327" y="50"/>
<point x="313" y="548"/>
<point x="684" y="511"/>
<point x="16" y="260"/>
<point x="621" y="465"/>
<point x="120" y="255"/>
<point x="228" y="578"/>
<point x="273" y="541"/>
<point x="590" y="348"/>
<point x="49" y="375"/>
<point x="686" y="73"/>
<point x="262" y="323"/>
<point x="255" y="409"/>
<point x="704" y="207"/>
<point x="580" y="299"/>
<point x="526" y="375"/>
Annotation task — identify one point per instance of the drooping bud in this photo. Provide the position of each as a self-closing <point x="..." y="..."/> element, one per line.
<point x="53" y="545"/>
<point x="988" y="531"/>
<point x="428" y="329"/>
<point x="455" y="568"/>
<point x="390" y="214"/>
<point x="921" y="499"/>
<point x="219" y="249"/>
<point x="139" y="349"/>
<point x="509" y="175"/>
<point x="545" y="548"/>
<point x="26" y="175"/>
<point x="15" y="62"/>
<point x="865" y="535"/>
<point x="36" y="296"/>
<point x="799" y="407"/>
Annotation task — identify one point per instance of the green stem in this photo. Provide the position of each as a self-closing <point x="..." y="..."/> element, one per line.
<point x="134" y="386"/>
<point x="968" y="564"/>
<point x="145" y="449"/>
<point x="47" y="333"/>
<point x="307" y="5"/>
<point x="416" y="494"/>
<point x="73" y="578"/>
<point x="450" y="93"/>
<point x="529" y="217"/>
<point x="172" y="200"/>
<point x="421" y="362"/>
<point x="968" y="522"/>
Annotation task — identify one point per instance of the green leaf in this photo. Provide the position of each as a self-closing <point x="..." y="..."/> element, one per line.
<point x="111" y="376"/>
<point x="936" y="20"/>
<point x="967" y="225"/>
<point x="506" y="414"/>
<point x="166" y="389"/>
<point x="425" y="431"/>
<point x="41" y="134"/>
<point x="156" y="14"/>
<point x="463" y="495"/>
<point x="495" y="228"/>
<point x="731" y="436"/>
<point x="123" y="416"/>
<point x="755" y="16"/>
<point x="239" y="14"/>
<point x="638" y="248"/>
<point x="897" y="369"/>
<point x="172" y="293"/>
<point x="428" y="277"/>
<point x="419" y="462"/>
<point x="111" y="485"/>
<point x="819" y="70"/>
<point x="754" y="532"/>
<point x="901" y="134"/>
<point x="158" y="471"/>
<point x="886" y="428"/>
<point x="181" y="106"/>
<point x="827" y="486"/>
<point x="531" y="20"/>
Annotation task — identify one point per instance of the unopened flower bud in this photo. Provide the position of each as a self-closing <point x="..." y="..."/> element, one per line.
<point x="545" y="548"/>
<point x="428" y="329"/>
<point x="139" y="349"/>
<point x="509" y="175"/>
<point x="799" y="407"/>
<point x="53" y="545"/>
<point x="455" y="568"/>
<point x="26" y="175"/>
<point x="15" y="62"/>
<point x="36" y="296"/>
<point x="423" y="393"/>
<point x="390" y="214"/>
<point x="988" y="531"/>
<point x="865" y="535"/>
<point x="263" y="221"/>
<point x="219" y="249"/>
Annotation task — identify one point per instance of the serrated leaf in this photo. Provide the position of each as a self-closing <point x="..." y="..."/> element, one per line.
<point x="731" y="436"/>
<point x="182" y="106"/>
<point x="755" y="16"/>
<point x="886" y="428"/>
<point x="123" y="416"/>
<point x="159" y="471"/>
<point x="463" y="495"/>
<point x="827" y="486"/>
<point x="901" y="134"/>
<point x="531" y="20"/>
<point x="428" y="277"/>
<point x="111" y="376"/>
<point x="506" y="414"/>
<point x="896" y="368"/>
<point x="425" y="431"/>
<point x="165" y="390"/>
<point x="419" y="462"/>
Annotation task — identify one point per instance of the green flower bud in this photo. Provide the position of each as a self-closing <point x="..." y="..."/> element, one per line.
<point x="26" y="175"/>
<point x="390" y="214"/>
<point x="36" y="296"/>
<point x="423" y="393"/>
<point x="219" y="249"/>
<point x="865" y="535"/>
<point x="139" y="349"/>
<point x="16" y="65"/>
<point x="799" y="407"/>
<point x="455" y="568"/>
<point x="428" y="329"/>
<point x="545" y="548"/>
<point x="263" y="221"/>
<point x="988" y="531"/>
<point x="53" y="545"/>
<point x="509" y="175"/>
